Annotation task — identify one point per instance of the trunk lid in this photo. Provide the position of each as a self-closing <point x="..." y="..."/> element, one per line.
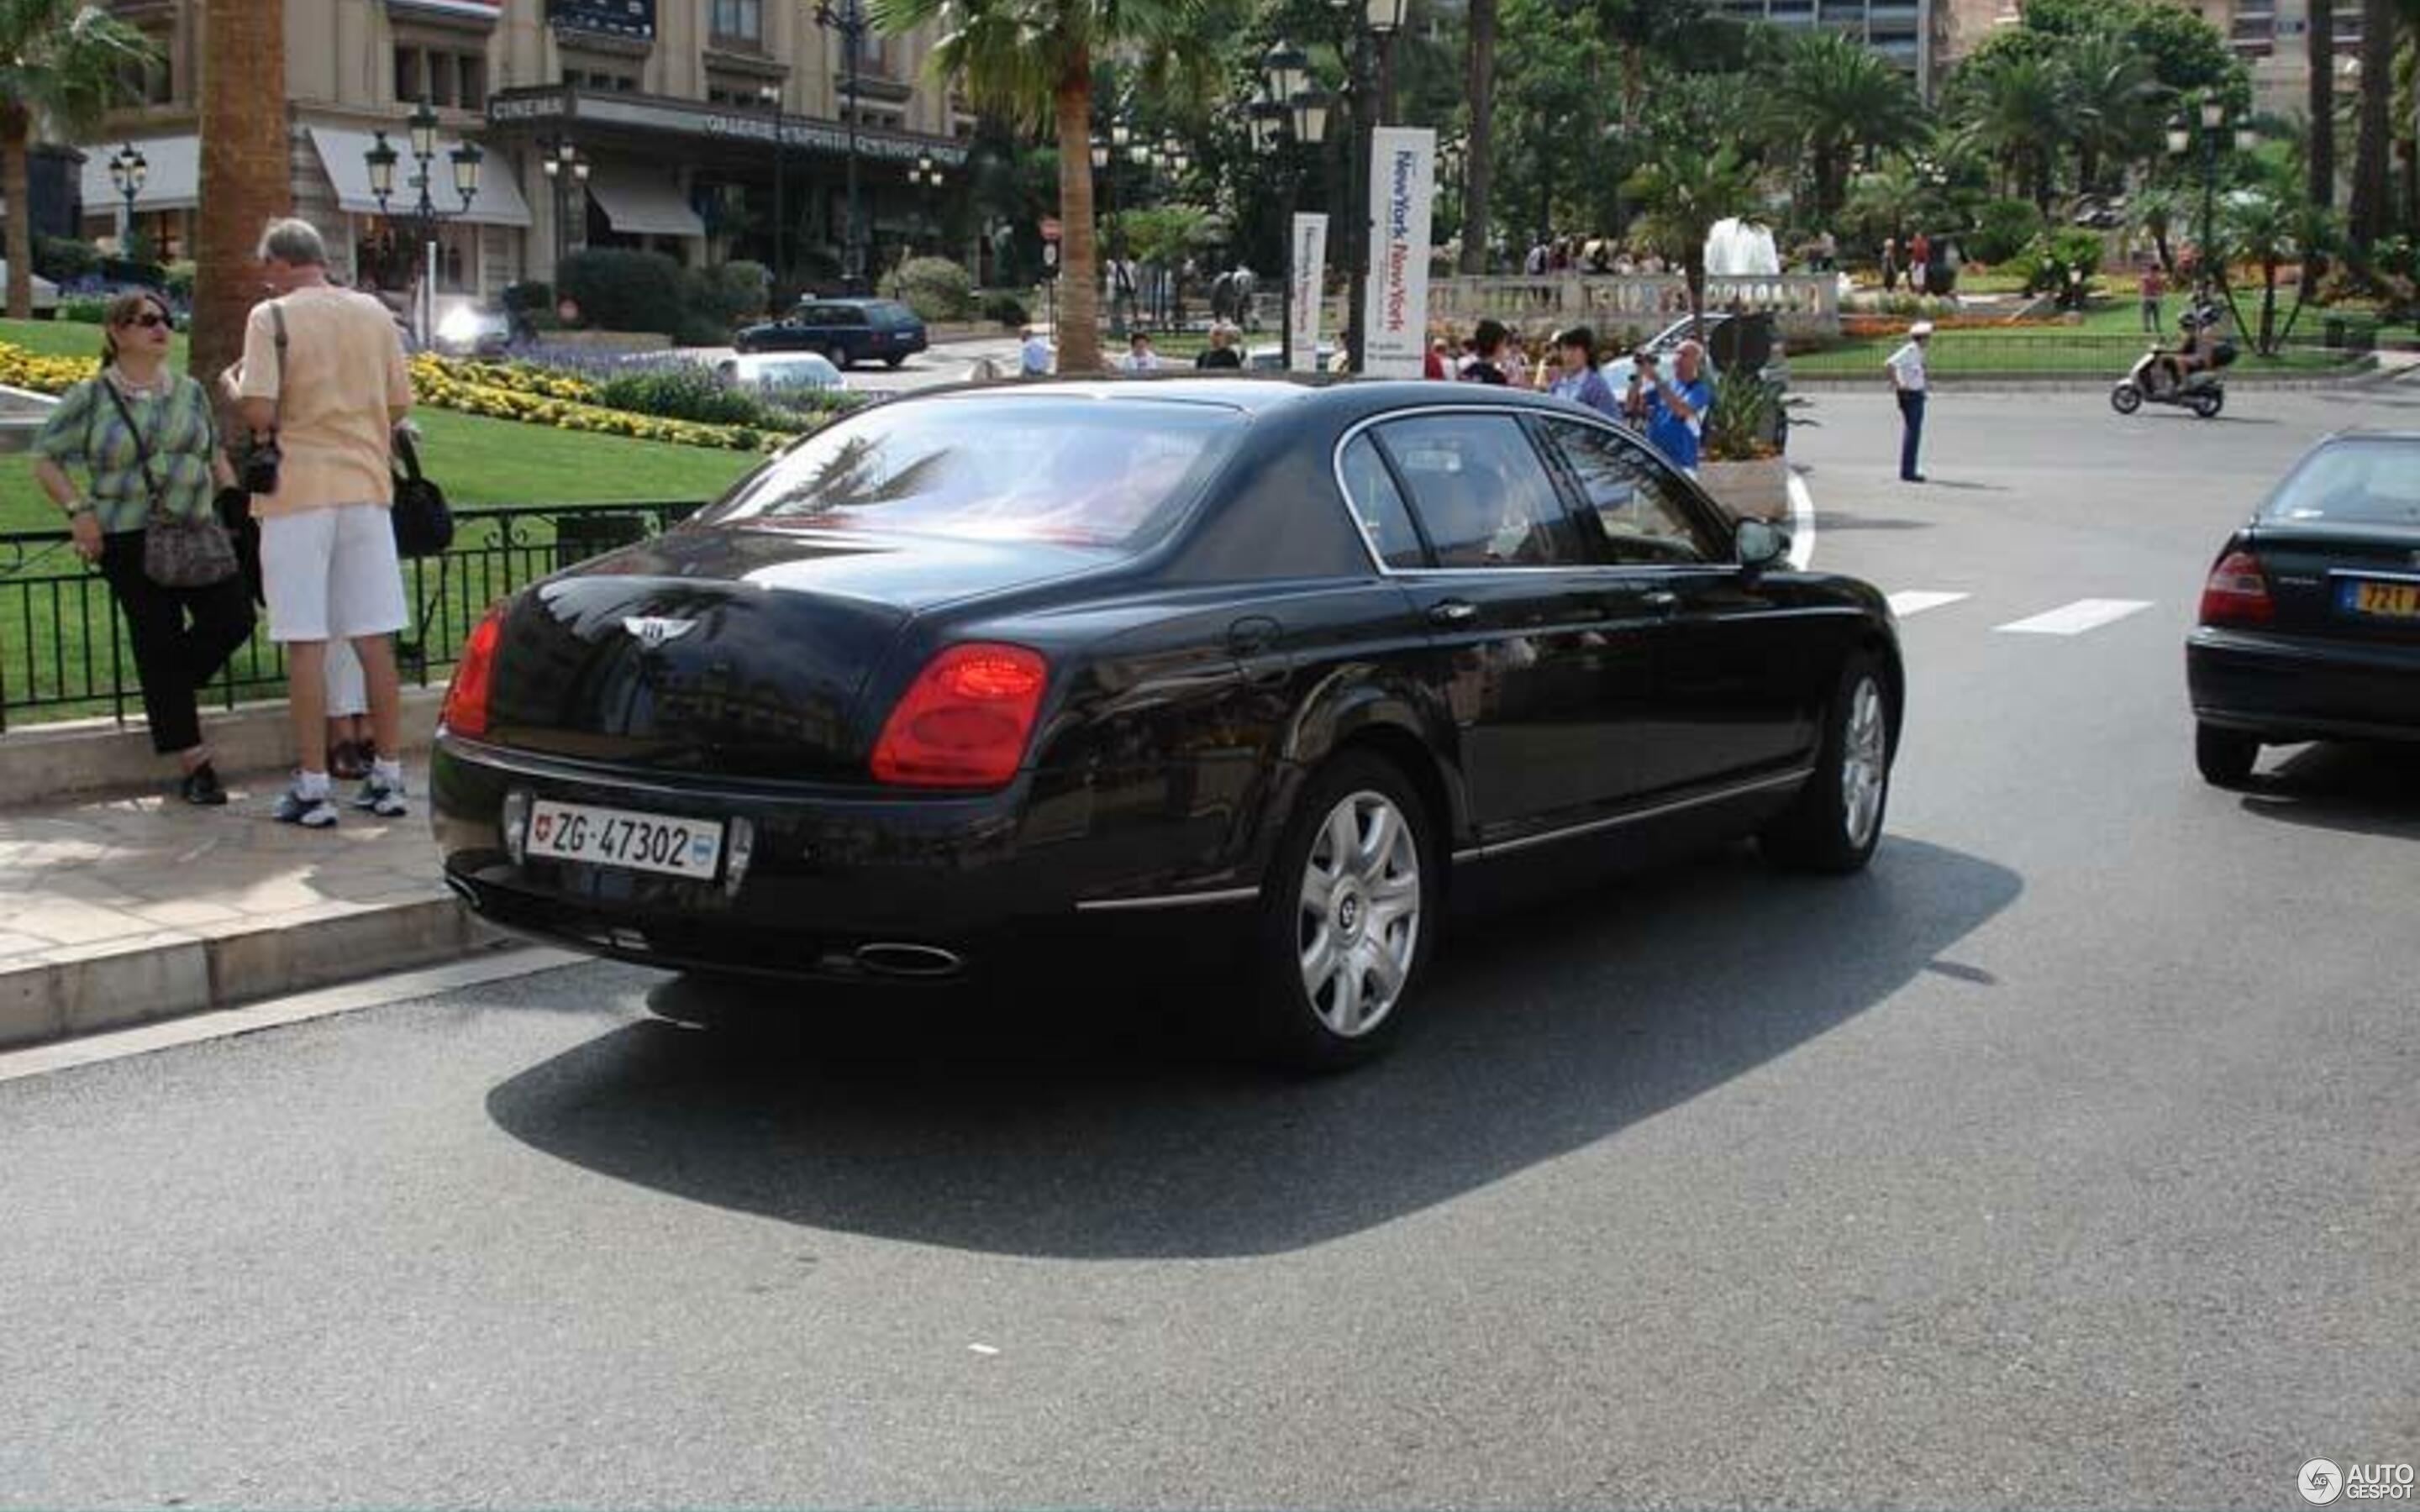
<point x="2316" y="570"/>
<point x="740" y="653"/>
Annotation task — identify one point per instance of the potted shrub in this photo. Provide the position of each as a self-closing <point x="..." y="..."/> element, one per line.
<point x="1738" y="460"/>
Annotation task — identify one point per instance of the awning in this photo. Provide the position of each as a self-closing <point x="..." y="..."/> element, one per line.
<point x="641" y="204"/>
<point x="172" y="174"/>
<point x="345" y="155"/>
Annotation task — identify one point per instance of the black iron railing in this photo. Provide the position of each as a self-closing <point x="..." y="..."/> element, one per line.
<point x="63" y="651"/>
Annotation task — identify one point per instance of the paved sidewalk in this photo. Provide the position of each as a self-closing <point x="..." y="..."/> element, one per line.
<point x="123" y="909"/>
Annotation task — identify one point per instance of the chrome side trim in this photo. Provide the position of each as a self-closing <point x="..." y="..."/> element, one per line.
<point x="2357" y="573"/>
<point x="1743" y="790"/>
<point x="1172" y="900"/>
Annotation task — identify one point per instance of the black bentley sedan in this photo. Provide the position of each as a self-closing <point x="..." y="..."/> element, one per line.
<point x="844" y="331"/>
<point x="2310" y="618"/>
<point x="965" y="669"/>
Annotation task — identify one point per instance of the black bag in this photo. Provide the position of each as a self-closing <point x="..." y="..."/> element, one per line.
<point x="423" y="527"/>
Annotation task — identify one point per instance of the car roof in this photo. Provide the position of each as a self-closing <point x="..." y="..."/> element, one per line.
<point x="1271" y="392"/>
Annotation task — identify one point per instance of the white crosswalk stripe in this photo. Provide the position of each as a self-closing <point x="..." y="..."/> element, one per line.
<point x="2076" y="618"/>
<point x="1909" y="601"/>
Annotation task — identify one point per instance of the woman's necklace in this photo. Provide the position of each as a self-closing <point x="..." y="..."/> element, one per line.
<point x="153" y="387"/>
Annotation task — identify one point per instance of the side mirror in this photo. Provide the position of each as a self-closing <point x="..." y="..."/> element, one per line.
<point x="1762" y="545"/>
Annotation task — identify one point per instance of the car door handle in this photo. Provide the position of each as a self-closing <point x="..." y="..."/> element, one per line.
<point x="1453" y="611"/>
<point x="1663" y="600"/>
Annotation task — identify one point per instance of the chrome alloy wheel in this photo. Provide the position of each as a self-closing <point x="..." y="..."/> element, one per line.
<point x="1864" y="762"/>
<point x="1359" y="923"/>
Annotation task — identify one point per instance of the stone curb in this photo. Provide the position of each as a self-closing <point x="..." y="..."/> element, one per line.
<point x="89" y="757"/>
<point x="170" y="975"/>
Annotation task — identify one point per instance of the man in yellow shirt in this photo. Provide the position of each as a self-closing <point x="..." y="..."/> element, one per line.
<point x="323" y="375"/>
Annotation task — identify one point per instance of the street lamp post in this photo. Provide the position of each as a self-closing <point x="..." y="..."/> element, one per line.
<point x="926" y="177"/>
<point x="1373" y="32"/>
<point x="849" y="20"/>
<point x="1288" y="113"/>
<point x="423" y="218"/>
<point x="771" y="95"/>
<point x="127" y="171"/>
<point x="2181" y="136"/>
<point x="567" y="173"/>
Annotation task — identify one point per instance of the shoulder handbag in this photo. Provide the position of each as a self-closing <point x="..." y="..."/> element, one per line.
<point x="423" y="527"/>
<point x="179" y="551"/>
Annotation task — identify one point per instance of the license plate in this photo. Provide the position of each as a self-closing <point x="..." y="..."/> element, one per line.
<point x="617" y="837"/>
<point x="2394" y="601"/>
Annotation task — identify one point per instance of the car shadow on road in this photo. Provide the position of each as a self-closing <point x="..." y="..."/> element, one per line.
<point x="2362" y="789"/>
<point x="1117" y="1126"/>
<point x="1840" y="520"/>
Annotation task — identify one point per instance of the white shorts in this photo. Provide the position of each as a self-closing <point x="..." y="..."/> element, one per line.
<point x="347" y="687"/>
<point x="332" y="574"/>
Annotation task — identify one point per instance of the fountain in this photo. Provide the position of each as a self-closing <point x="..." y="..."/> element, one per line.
<point x="1736" y="248"/>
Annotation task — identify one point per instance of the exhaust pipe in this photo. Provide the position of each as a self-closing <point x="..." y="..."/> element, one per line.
<point x="887" y="958"/>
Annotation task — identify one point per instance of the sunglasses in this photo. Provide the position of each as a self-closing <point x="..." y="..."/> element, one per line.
<point x="149" y="322"/>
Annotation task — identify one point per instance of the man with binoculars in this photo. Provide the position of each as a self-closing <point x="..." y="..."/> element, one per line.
<point x="321" y="388"/>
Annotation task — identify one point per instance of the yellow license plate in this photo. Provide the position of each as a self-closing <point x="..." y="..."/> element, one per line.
<point x="2398" y="601"/>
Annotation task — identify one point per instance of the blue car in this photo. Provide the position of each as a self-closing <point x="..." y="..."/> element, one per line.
<point x="845" y="330"/>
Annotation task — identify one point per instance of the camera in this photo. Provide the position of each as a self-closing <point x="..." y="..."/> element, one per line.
<point x="259" y="472"/>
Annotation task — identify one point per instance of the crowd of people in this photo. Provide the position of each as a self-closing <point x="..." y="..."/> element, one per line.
<point x="173" y="489"/>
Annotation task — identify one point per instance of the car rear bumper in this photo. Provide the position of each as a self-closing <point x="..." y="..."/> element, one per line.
<point x="2301" y="687"/>
<point x="842" y="885"/>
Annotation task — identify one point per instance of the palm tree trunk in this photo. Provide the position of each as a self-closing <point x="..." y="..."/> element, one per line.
<point x="245" y="181"/>
<point x="2268" y="307"/>
<point x="1079" y="309"/>
<point x="1479" y="153"/>
<point x="1827" y="204"/>
<point x="16" y="127"/>
<point x="2320" y="44"/>
<point x="2366" y="222"/>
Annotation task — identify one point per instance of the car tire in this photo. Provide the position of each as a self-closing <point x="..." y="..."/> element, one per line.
<point x="1837" y="820"/>
<point x="1362" y="832"/>
<point x="837" y="356"/>
<point x="2125" y="398"/>
<point x="894" y="360"/>
<point x="2225" y="757"/>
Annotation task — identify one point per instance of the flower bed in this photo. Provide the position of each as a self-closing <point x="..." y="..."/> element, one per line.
<point x="489" y="389"/>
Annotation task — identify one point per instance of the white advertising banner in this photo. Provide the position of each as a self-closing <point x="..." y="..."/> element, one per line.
<point x="1310" y="277"/>
<point x="1395" y="307"/>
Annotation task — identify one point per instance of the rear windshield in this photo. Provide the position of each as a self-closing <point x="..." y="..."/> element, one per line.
<point x="2353" y="482"/>
<point x="1074" y="471"/>
<point x="891" y="314"/>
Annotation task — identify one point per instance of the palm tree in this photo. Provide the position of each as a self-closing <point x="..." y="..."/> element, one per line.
<point x="2156" y="212"/>
<point x="244" y="182"/>
<point x="1682" y="192"/>
<point x="2366" y="220"/>
<point x="1842" y="95"/>
<point x="2262" y="225"/>
<point x="1031" y="61"/>
<point x="2015" y="107"/>
<point x="2115" y="100"/>
<point x="62" y="62"/>
<point x="2319" y="57"/>
<point x="1479" y="152"/>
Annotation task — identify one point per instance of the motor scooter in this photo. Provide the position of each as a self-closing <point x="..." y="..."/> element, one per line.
<point x="2148" y="383"/>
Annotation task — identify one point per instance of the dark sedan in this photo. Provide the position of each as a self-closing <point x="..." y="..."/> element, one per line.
<point x="964" y="670"/>
<point x="2310" y="620"/>
<point x="844" y="331"/>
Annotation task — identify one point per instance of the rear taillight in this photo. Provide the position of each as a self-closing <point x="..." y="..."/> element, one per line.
<point x="466" y="700"/>
<point x="2237" y="592"/>
<point x="963" y="723"/>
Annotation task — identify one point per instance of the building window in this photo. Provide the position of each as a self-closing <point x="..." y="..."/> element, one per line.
<point x="472" y="71"/>
<point x="455" y="81"/>
<point x="407" y="73"/>
<point x="739" y="20"/>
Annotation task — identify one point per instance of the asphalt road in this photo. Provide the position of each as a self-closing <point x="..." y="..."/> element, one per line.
<point x="2069" y="1158"/>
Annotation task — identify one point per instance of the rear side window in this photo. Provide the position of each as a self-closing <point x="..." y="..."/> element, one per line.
<point x="1378" y="506"/>
<point x="1630" y="498"/>
<point x="896" y="317"/>
<point x="1481" y="492"/>
<point x="1076" y="472"/>
<point x="2366" y="482"/>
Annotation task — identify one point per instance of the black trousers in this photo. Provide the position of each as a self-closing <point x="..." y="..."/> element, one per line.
<point x="1911" y="436"/>
<point x="174" y="659"/>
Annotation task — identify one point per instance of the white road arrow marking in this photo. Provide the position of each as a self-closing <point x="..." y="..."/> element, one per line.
<point x="2076" y="618"/>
